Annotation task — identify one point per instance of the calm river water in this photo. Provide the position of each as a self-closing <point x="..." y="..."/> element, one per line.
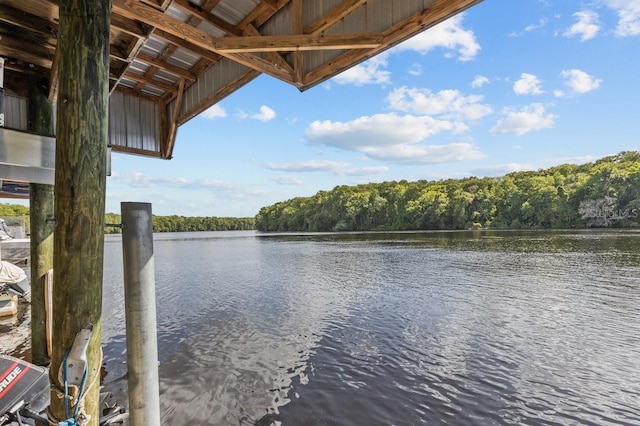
<point x="466" y="328"/>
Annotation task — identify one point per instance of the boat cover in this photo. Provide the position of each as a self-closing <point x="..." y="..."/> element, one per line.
<point x="10" y="273"/>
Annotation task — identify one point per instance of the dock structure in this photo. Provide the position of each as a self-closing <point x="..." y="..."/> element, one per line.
<point x="83" y="78"/>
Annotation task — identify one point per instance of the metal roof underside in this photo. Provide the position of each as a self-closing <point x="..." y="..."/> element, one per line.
<point x="172" y="59"/>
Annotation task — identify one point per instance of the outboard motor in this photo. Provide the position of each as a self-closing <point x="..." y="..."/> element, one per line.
<point x="24" y="391"/>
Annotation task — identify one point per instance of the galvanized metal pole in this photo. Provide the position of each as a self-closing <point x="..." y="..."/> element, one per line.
<point x="140" y="314"/>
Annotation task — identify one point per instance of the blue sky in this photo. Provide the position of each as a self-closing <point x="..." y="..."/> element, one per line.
<point x="499" y="88"/>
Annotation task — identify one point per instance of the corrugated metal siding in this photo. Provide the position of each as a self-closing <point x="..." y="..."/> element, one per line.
<point x="134" y="122"/>
<point x="15" y="112"/>
<point x="217" y="76"/>
<point x="234" y="11"/>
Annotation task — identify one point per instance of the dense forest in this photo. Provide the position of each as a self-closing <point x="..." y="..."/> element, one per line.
<point x="602" y="193"/>
<point x="15" y="212"/>
<point x="187" y="224"/>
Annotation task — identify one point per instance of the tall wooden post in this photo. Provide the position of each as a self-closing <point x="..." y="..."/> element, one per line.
<point x="40" y="208"/>
<point x="81" y="144"/>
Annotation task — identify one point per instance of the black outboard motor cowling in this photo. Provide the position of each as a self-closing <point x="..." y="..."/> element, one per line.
<point x="23" y="386"/>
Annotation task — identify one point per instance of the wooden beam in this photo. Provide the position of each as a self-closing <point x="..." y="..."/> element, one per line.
<point x="173" y="124"/>
<point x="41" y="120"/>
<point x="274" y="57"/>
<point x="297" y="42"/>
<point x="191" y="8"/>
<point x="438" y="12"/>
<point x="26" y="52"/>
<point x="298" y="28"/>
<point x="80" y="176"/>
<point x="149" y="81"/>
<point x="180" y="42"/>
<point x="128" y="26"/>
<point x="135" y="151"/>
<point x="219" y="94"/>
<point x="53" y="78"/>
<point x="180" y="72"/>
<point x="28" y="21"/>
<point x="138" y="11"/>
<point x="330" y="19"/>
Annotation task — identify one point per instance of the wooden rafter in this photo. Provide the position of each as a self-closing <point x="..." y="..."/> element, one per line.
<point x="187" y="6"/>
<point x="331" y="18"/>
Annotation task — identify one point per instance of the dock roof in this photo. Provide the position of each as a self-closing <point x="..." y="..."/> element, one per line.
<point x="172" y="59"/>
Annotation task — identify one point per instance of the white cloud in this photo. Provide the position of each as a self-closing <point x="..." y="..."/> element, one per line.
<point x="628" y="17"/>
<point x="449" y="35"/>
<point x="448" y="104"/>
<point x="265" y="114"/>
<point x="377" y="131"/>
<point x="141" y="180"/>
<point x="527" y="85"/>
<point x="341" y="168"/>
<point x="579" y="81"/>
<point x="213" y="112"/>
<point x="425" y="154"/>
<point x="531" y="27"/>
<point x="287" y="180"/>
<point x="502" y="169"/>
<point x="369" y="72"/>
<point x="392" y="137"/>
<point x="308" y="166"/>
<point x="587" y="26"/>
<point x="528" y="119"/>
<point x="479" y="81"/>
<point x="415" y="70"/>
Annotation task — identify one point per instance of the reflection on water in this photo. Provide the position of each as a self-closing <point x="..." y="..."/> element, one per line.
<point x="409" y="328"/>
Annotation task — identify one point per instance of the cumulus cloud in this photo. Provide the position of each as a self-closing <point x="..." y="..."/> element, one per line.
<point x="528" y="85"/>
<point x="369" y="72"/>
<point x="378" y="131"/>
<point x="341" y="168"/>
<point x="213" y="112"/>
<point x="579" y="81"/>
<point x="528" y="119"/>
<point x="479" y="81"/>
<point x="393" y="137"/>
<point x="628" y="17"/>
<point x="447" y="104"/>
<point x="587" y="26"/>
<point x="265" y="114"/>
<point x="449" y="35"/>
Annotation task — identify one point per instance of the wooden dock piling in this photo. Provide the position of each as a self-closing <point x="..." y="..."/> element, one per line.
<point x="80" y="183"/>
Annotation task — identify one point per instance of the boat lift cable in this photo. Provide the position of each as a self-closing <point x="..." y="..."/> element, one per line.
<point x="71" y="421"/>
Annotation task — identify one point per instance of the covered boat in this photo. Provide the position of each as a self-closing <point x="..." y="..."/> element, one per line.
<point x="13" y="284"/>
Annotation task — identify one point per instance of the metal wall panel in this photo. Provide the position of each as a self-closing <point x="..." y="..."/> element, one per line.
<point x="217" y="76"/>
<point x="15" y="112"/>
<point x="134" y="122"/>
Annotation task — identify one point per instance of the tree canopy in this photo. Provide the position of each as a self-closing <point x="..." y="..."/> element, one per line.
<point x="602" y="193"/>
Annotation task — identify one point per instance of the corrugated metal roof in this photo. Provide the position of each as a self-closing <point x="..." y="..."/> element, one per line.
<point x="209" y="48"/>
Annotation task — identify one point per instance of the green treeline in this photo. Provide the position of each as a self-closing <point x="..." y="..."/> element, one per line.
<point x="160" y="223"/>
<point x="603" y="193"/>
<point x="187" y="224"/>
